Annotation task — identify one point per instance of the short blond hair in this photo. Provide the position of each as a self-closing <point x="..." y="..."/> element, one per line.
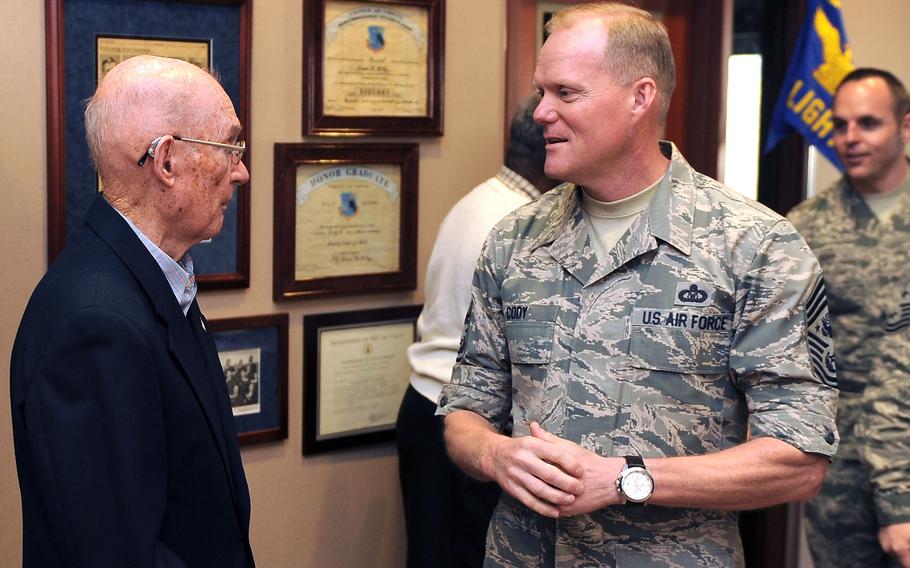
<point x="637" y="44"/>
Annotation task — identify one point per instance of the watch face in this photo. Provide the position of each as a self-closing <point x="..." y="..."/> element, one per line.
<point x="637" y="485"/>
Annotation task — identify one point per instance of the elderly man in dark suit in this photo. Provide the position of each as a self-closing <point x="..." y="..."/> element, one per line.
<point x="125" y="445"/>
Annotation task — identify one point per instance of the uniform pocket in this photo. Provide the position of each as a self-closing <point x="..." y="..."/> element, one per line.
<point x="680" y="341"/>
<point x="530" y="342"/>
<point x="529" y="331"/>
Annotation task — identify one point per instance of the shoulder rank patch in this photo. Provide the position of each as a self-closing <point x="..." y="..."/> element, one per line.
<point x="818" y="335"/>
<point x="899" y="319"/>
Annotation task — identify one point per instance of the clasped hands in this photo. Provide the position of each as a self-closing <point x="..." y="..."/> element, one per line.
<point x="895" y="540"/>
<point x="553" y="476"/>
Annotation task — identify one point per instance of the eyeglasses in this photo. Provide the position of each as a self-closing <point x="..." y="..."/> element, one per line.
<point x="236" y="150"/>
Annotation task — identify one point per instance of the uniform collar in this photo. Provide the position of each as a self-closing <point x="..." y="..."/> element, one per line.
<point x="859" y="209"/>
<point x="669" y="216"/>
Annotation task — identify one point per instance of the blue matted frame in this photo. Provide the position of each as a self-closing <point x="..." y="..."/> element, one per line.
<point x="72" y="26"/>
<point x="269" y="334"/>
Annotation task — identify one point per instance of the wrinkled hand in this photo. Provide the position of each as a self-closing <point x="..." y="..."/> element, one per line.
<point x="895" y="540"/>
<point x="541" y="475"/>
<point x="596" y="474"/>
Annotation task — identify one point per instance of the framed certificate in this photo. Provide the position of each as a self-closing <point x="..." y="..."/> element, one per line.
<point x="95" y="35"/>
<point x="355" y="372"/>
<point x="254" y="355"/>
<point x="345" y="219"/>
<point x="373" y="67"/>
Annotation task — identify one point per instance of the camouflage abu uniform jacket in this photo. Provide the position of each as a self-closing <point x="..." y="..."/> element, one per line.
<point x="867" y="274"/>
<point x="694" y="330"/>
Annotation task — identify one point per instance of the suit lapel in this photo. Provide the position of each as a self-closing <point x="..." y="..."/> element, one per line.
<point x="112" y="229"/>
<point x="234" y="463"/>
<point x="191" y="358"/>
<point x="217" y="386"/>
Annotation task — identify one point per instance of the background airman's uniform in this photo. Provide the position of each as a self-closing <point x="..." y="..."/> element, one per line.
<point x="866" y="264"/>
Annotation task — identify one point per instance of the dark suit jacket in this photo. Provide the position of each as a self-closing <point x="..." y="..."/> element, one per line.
<point x="125" y="443"/>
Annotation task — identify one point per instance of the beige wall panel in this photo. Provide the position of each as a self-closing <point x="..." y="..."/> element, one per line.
<point x="22" y="219"/>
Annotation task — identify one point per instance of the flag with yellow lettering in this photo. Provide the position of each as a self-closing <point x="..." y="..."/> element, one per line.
<point x="821" y="59"/>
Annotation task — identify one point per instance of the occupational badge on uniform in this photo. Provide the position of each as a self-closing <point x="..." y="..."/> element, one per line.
<point x="693" y="293"/>
<point x="818" y="336"/>
<point x="376" y="41"/>
<point x="348" y="204"/>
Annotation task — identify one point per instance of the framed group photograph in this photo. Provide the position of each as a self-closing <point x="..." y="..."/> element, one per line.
<point x="85" y="40"/>
<point x="355" y="372"/>
<point x="373" y="67"/>
<point x="345" y="219"/>
<point x="254" y="356"/>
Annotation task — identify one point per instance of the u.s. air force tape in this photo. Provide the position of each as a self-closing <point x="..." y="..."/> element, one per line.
<point x="681" y="319"/>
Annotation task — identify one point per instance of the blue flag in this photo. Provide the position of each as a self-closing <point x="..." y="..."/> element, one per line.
<point x="821" y="59"/>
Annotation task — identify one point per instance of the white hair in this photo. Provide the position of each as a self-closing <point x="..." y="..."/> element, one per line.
<point x="140" y="99"/>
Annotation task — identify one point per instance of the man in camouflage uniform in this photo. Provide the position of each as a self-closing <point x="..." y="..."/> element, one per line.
<point x="672" y="339"/>
<point x="887" y="445"/>
<point x="860" y="230"/>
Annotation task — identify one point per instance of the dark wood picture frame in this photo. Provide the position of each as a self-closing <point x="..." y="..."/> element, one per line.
<point x="70" y="26"/>
<point x="314" y="326"/>
<point x="317" y="122"/>
<point x="269" y="334"/>
<point x="288" y="158"/>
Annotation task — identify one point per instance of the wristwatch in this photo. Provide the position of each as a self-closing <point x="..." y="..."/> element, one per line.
<point x="635" y="484"/>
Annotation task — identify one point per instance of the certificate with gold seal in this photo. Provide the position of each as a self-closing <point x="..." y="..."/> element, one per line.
<point x="345" y="218"/>
<point x="373" y="66"/>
